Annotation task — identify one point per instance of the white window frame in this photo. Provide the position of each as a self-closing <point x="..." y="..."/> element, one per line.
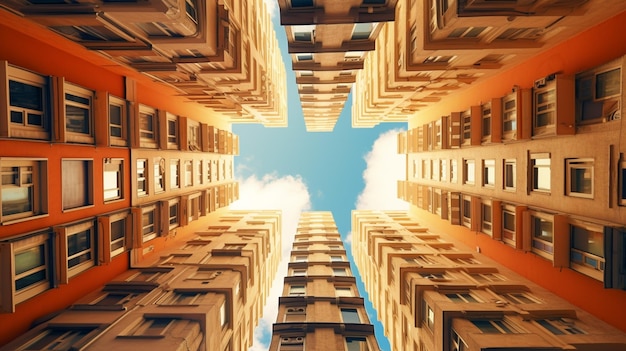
<point x="147" y="125"/>
<point x="174" y="174"/>
<point x="172" y="131"/>
<point x="38" y="182"/>
<point x="187" y="173"/>
<point x="572" y="165"/>
<point x="509" y="116"/>
<point x="158" y="174"/>
<point x="509" y="236"/>
<point x="142" y="174"/>
<point x="469" y="171"/>
<point x="147" y="236"/>
<point x="542" y="246"/>
<point x="489" y="173"/>
<point x="544" y="109"/>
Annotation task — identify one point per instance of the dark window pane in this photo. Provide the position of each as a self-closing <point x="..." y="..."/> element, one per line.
<point x="25" y="95"/>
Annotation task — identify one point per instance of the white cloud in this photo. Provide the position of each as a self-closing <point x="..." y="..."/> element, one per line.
<point x="290" y="195"/>
<point x="272" y="7"/>
<point x="384" y="168"/>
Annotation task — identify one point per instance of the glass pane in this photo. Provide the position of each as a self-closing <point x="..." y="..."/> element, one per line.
<point x="77" y="119"/>
<point x="608" y="83"/>
<point x="542" y="229"/>
<point x="580" y="180"/>
<point x="356" y="344"/>
<point x="30" y="279"/>
<point x="78" y="242"/>
<point x="587" y="241"/>
<point x="35" y="119"/>
<point x="25" y="95"/>
<point x="30" y="259"/>
<point x="16" y="200"/>
<point x="350" y="315"/>
<point x="509" y="221"/>
<point x="118" y="229"/>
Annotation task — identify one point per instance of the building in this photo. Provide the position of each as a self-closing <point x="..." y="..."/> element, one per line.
<point x="108" y="153"/>
<point x="435" y="293"/>
<point x="435" y="50"/>
<point x="320" y="307"/>
<point x="205" y="294"/>
<point x="328" y="41"/>
<point x="529" y="166"/>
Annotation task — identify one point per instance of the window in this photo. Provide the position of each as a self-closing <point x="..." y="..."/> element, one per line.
<point x="428" y="316"/>
<point x="223" y="315"/>
<point x="300" y="258"/>
<point x="173" y="213"/>
<point x="159" y="174"/>
<point x="61" y="338"/>
<point x="362" y="31"/>
<point x="147" y="122"/>
<point x="509" y="116"/>
<point x="28" y="267"/>
<point x="344" y="291"/>
<point x="295" y="314"/>
<point x="462" y="297"/>
<point x="518" y="297"/>
<point x="297" y="290"/>
<point x="510" y="179"/>
<point x="508" y="224"/>
<point x="188" y="172"/>
<point x="487" y="277"/>
<point x="142" y="177"/>
<point x="149" y="221"/>
<point x="298" y="272"/>
<point x="334" y="258"/>
<point x="579" y="177"/>
<point x="466" y="120"/>
<point x="199" y="175"/>
<point x="456" y="343"/>
<point x="172" y="131"/>
<point x="174" y="174"/>
<point x="587" y="248"/>
<point x="119" y="224"/>
<point x="183" y="298"/>
<point x="303" y="33"/>
<point x="118" y="130"/>
<point x="350" y="315"/>
<point x="560" y="326"/>
<point x="486" y="221"/>
<point x="466" y="211"/>
<point x="80" y="251"/>
<point x="486" y="122"/>
<point x="443" y="171"/>
<point x="304" y="57"/>
<point x="540" y="168"/>
<point x="542" y="234"/>
<point x="28" y="113"/>
<point x="339" y="272"/>
<point x="193" y="136"/>
<point x="495" y="326"/>
<point x="113" y="179"/>
<point x="453" y="171"/>
<point x="23" y="190"/>
<point x="356" y="344"/>
<point x="301" y="3"/>
<point x="469" y="172"/>
<point x="489" y="173"/>
<point x="598" y="94"/>
<point x="77" y="186"/>
<point x="545" y="109"/>
<point x="78" y="114"/>
<point x="195" y="207"/>
<point x="292" y="343"/>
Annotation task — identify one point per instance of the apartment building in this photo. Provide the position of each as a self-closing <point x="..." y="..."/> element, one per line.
<point x="320" y="307"/>
<point x="434" y="293"/>
<point x="437" y="49"/>
<point x="328" y="41"/>
<point x="205" y="294"/>
<point x="105" y="161"/>
<point x="534" y="175"/>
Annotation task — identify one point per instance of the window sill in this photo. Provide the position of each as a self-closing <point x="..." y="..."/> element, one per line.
<point x="19" y="220"/>
<point x="65" y="210"/>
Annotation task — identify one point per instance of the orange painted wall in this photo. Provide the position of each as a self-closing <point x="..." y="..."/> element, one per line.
<point x="591" y="48"/>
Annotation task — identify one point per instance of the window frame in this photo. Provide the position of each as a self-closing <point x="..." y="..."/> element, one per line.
<point x="538" y="244"/>
<point x="509" y="116"/>
<point x="597" y="271"/>
<point x="469" y="171"/>
<point x="598" y="102"/>
<point x="80" y="92"/>
<point x="158" y="174"/>
<point x="147" y="236"/>
<point x="486" y="224"/>
<point x="142" y="174"/>
<point x="509" y="174"/>
<point x="147" y="127"/>
<point x="507" y="238"/>
<point x="39" y="181"/>
<point x="24" y="130"/>
<point x="489" y="167"/>
<point x="108" y="165"/>
<point x="535" y="169"/>
<point x="65" y="233"/>
<point x="572" y="164"/>
<point x="121" y="140"/>
<point x="172" y="132"/>
<point x="73" y="184"/>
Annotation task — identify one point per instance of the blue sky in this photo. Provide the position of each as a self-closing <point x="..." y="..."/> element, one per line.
<point x="294" y="170"/>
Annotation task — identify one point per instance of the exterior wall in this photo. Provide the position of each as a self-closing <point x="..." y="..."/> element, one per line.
<point x="320" y="308"/>
<point x="202" y="294"/>
<point x="433" y="143"/>
<point x="436" y="293"/>
<point x="66" y="62"/>
<point x="328" y="41"/>
<point x="435" y="51"/>
<point x="210" y="51"/>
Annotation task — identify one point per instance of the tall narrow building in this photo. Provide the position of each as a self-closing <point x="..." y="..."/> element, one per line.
<point x="320" y="308"/>
<point x="205" y="294"/>
<point x="434" y="293"/>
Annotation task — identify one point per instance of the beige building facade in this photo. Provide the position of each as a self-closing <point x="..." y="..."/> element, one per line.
<point x="436" y="49"/>
<point x="320" y="307"/>
<point x="328" y="41"/>
<point x="435" y="293"/>
<point x="205" y="294"/>
<point x="222" y="55"/>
